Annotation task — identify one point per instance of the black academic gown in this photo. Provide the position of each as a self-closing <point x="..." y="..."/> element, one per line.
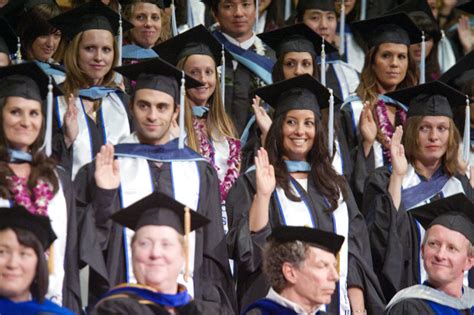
<point x="246" y="247"/>
<point x="213" y="283"/>
<point x="419" y="306"/>
<point x="394" y="235"/>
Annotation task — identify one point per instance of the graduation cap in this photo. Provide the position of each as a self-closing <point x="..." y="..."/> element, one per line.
<point x="160" y="209"/>
<point x="89" y="16"/>
<point x="328" y="241"/>
<point x="323" y="5"/>
<point x="295" y="38"/>
<point x="460" y="73"/>
<point x="19" y="217"/>
<point x="467" y="7"/>
<point x="455" y="212"/>
<point x="301" y="92"/>
<point x="195" y="41"/>
<point x="26" y="80"/>
<point x="8" y="39"/>
<point x="162" y="4"/>
<point x="429" y="99"/>
<point x="394" y="28"/>
<point x="157" y="74"/>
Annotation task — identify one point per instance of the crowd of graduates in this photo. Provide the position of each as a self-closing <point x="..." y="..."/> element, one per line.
<point x="236" y="156"/>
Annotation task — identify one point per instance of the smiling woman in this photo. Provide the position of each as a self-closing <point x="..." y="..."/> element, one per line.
<point x="93" y="111"/>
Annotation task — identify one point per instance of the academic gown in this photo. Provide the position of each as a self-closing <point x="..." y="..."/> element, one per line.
<point x="424" y="299"/>
<point x="213" y="283"/>
<point x="394" y="234"/>
<point x="98" y="134"/>
<point x="8" y="307"/>
<point x="129" y="300"/>
<point x="246" y="247"/>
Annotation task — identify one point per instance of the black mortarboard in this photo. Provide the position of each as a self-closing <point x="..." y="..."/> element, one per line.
<point x="460" y="73"/>
<point x="328" y="241"/>
<point x="467" y="7"/>
<point x="295" y="38"/>
<point x="413" y="6"/>
<point x="395" y="28"/>
<point x="16" y="7"/>
<point x="195" y="41"/>
<point x="323" y="5"/>
<point x="19" y="217"/>
<point x="455" y="212"/>
<point x="158" y="209"/>
<point x="8" y="37"/>
<point x="89" y="16"/>
<point x="301" y="92"/>
<point x="157" y="74"/>
<point x="26" y="80"/>
<point x="162" y="4"/>
<point x="430" y="99"/>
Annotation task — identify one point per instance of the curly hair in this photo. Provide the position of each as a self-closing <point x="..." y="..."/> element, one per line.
<point x="276" y="254"/>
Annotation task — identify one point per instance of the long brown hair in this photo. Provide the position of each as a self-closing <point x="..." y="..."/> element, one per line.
<point x="411" y="144"/>
<point x="218" y="122"/>
<point x="76" y="78"/>
<point x="42" y="167"/>
<point x="327" y="181"/>
<point x="39" y="286"/>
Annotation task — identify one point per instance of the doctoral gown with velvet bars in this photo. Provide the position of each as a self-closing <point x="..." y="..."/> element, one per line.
<point x="213" y="283"/>
<point x="394" y="235"/>
<point x="246" y="247"/>
<point x="419" y="306"/>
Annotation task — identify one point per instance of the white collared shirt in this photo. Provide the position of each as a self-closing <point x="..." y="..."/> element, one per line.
<point x="272" y="295"/>
<point x="246" y="44"/>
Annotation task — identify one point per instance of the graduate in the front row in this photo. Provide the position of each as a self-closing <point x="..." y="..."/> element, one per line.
<point x="294" y="184"/>
<point x="148" y="161"/>
<point x="301" y="265"/>
<point x="447" y="251"/>
<point x="160" y="250"/>
<point x="424" y="168"/>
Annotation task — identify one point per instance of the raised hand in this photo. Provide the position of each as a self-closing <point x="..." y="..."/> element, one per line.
<point x="397" y="152"/>
<point x="471" y="177"/>
<point x="265" y="174"/>
<point x="264" y="121"/>
<point x="174" y="129"/>
<point x="368" y="128"/>
<point x="464" y="34"/>
<point x="107" y="173"/>
<point x="71" y="129"/>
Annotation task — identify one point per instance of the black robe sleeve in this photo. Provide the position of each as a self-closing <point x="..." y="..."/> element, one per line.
<point x="410" y="307"/>
<point x="71" y="288"/>
<point x="363" y="167"/>
<point x="213" y="283"/>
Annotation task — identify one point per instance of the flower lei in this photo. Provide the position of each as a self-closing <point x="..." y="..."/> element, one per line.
<point x="386" y="126"/>
<point x="208" y="152"/>
<point x="42" y="194"/>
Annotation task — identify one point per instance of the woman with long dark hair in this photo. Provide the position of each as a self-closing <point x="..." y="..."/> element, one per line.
<point x="295" y="184"/>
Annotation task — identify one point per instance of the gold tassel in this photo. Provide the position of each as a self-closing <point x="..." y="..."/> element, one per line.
<point x="338" y="258"/>
<point x="187" y="230"/>
<point x="51" y="259"/>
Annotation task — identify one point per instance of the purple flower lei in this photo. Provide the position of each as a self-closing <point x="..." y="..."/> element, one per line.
<point x="42" y="194"/>
<point x="208" y="152"/>
<point x="386" y="126"/>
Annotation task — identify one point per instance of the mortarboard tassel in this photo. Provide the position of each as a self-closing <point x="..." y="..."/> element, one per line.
<point x="257" y="5"/>
<point x="174" y="24"/>
<point x="323" y="64"/>
<point x="49" y="119"/>
<point x="189" y="12"/>
<point x="187" y="230"/>
<point x="120" y="36"/>
<point x="331" y="124"/>
<point x="51" y="259"/>
<point x="422" y="61"/>
<point x="342" y="30"/>
<point x="466" y="140"/>
<point x="182" y="97"/>
<point x="19" y="58"/>
<point x="363" y="9"/>
<point x="223" y="76"/>
<point x="287" y="9"/>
